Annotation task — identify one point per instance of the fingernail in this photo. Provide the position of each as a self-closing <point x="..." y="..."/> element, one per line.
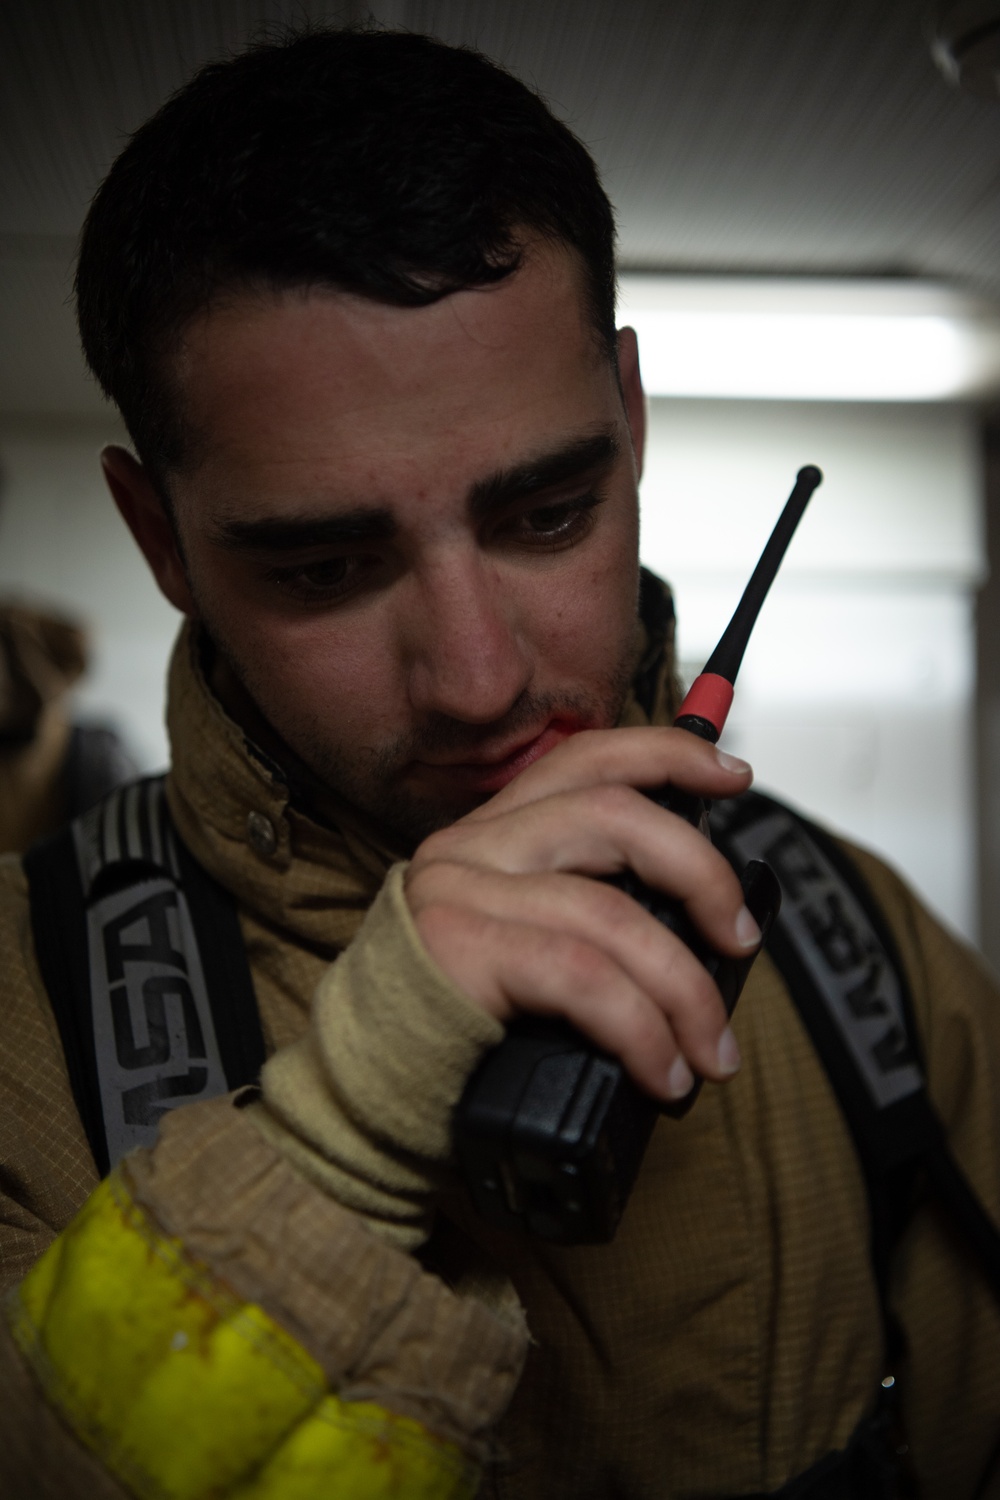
<point x="732" y="762"/>
<point x="747" y="931"/>
<point x="728" y="1055"/>
<point x="680" y="1079"/>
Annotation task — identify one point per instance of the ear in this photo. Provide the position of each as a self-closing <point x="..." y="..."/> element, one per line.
<point x="635" y="396"/>
<point x="146" y="517"/>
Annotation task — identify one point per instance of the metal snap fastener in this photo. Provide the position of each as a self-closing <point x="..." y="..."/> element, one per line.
<point x="260" y="834"/>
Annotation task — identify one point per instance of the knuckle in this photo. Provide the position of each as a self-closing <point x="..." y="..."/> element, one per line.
<point x="706" y="1013"/>
<point x="642" y="1035"/>
<point x="615" y="912"/>
<point x="441" y="920"/>
<point x="693" y="994"/>
<point x="708" y="1000"/>
<point x="723" y="884"/>
<point x="652" y="1032"/>
<point x="714" y="874"/>
<point x="584" y="967"/>
<point x="607" y="750"/>
<point x="612" y="801"/>
<point x="431" y="884"/>
<point x="440" y="845"/>
<point x="640" y="1020"/>
<point x="579" y="746"/>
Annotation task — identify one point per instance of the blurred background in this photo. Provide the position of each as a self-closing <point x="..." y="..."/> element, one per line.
<point x="808" y="194"/>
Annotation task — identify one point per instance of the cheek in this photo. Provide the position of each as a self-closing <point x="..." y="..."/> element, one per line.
<point x="607" y="592"/>
<point x="588" y="629"/>
<point x="334" y="679"/>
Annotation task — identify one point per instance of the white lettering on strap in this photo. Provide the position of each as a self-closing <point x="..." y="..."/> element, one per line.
<point x="835" y="940"/>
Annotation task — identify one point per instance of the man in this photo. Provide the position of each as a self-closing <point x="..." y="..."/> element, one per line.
<point x="354" y="297"/>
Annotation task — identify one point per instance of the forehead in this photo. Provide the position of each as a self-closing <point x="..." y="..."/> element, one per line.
<point x="316" y="388"/>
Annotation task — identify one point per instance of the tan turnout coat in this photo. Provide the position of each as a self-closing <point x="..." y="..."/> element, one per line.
<point x="726" y="1340"/>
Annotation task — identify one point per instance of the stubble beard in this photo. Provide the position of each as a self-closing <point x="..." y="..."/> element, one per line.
<point x="373" y="780"/>
<point x="378" y="787"/>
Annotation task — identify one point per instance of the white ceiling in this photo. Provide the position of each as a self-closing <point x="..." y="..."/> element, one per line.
<point x="804" y="136"/>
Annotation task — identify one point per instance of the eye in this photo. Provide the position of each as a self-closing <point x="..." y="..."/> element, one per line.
<point x="552" y="518"/>
<point x="555" y="525"/>
<point x="321" y="582"/>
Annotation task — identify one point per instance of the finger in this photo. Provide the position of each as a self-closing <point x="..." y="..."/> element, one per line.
<point x="654" y="958"/>
<point x="512" y="968"/>
<point x="600" y="831"/>
<point x="648" y="757"/>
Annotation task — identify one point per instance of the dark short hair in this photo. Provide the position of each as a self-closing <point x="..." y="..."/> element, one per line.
<point x="383" y="163"/>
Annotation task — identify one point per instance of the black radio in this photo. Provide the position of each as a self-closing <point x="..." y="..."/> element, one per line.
<point x="550" y="1131"/>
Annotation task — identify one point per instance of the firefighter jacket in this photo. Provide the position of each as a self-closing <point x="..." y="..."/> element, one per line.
<point x="288" y="1295"/>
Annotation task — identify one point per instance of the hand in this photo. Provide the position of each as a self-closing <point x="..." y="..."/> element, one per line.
<point x="503" y="904"/>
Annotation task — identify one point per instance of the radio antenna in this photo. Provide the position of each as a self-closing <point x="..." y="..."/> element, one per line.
<point x="708" y="701"/>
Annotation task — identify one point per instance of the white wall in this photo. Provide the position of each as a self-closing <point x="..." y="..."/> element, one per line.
<point x="855" y="700"/>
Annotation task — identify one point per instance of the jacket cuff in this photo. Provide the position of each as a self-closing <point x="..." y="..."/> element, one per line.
<point x="363" y="1102"/>
<point x="380" y="1327"/>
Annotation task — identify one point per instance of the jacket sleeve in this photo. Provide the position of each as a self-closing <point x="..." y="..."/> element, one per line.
<point x="214" y="1323"/>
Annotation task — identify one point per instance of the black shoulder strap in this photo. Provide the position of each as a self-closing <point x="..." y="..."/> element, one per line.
<point x="839" y="959"/>
<point x="145" y="966"/>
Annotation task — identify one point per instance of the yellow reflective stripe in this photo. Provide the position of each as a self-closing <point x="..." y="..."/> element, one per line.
<point x="370" y="1453"/>
<point x="185" y="1392"/>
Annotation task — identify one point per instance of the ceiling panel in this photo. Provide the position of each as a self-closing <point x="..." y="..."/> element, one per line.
<point x="744" y="135"/>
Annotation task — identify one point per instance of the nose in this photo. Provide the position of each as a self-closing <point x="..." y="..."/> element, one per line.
<point x="466" y="655"/>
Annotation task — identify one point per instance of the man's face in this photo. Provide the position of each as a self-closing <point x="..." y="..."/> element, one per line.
<point x="412" y="534"/>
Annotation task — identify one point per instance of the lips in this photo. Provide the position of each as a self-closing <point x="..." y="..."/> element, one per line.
<point x="488" y="773"/>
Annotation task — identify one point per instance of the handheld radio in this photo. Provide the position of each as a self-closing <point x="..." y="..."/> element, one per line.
<point x="550" y="1131"/>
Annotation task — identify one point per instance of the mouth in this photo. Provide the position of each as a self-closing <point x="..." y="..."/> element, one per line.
<point x="491" y="770"/>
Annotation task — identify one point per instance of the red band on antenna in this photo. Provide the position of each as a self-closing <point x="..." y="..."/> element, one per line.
<point x="710" y="697"/>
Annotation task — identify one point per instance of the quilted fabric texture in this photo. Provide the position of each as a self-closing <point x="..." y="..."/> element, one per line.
<point x="730" y="1336"/>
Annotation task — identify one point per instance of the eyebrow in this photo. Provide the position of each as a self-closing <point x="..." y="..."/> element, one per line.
<point x="585" y="455"/>
<point x="292" y="533"/>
